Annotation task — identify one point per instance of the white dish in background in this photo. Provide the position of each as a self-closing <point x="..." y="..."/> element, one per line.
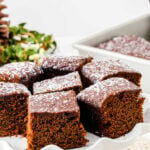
<point x="139" y="26"/>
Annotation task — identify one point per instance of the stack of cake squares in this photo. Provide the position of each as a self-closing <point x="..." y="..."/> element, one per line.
<point x="57" y="101"/>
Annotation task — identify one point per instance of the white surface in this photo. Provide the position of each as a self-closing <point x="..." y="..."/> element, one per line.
<point x="74" y="17"/>
<point x="4" y="146"/>
<point x="95" y="142"/>
<point x="142" y="143"/>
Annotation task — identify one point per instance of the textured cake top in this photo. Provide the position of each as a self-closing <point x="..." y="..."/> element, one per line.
<point x="99" y="70"/>
<point x="59" y="83"/>
<point x="129" y="45"/>
<point x="54" y="102"/>
<point x="65" y="63"/>
<point x="97" y="93"/>
<point x="19" y="71"/>
<point x="7" y="89"/>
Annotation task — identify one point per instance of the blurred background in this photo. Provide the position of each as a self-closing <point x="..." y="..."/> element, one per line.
<point x="74" y="17"/>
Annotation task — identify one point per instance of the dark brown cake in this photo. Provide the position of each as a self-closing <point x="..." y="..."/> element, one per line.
<point x="111" y="107"/>
<point x="104" y="69"/>
<point x="13" y="109"/>
<point x="61" y="65"/>
<point x="54" y="118"/>
<point x="21" y="72"/>
<point x="129" y="45"/>
<point x="70" y="81"/>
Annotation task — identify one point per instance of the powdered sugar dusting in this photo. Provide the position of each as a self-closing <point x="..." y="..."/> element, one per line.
<point x="98" y="70"/>
<point x="54" y="102"/>
<point x="60" y="83"/>
<point x="7" y="89"/>
<point x="62" y="63"/>
<point x="128" y="45"/>
<point x="19" y="72"/>
<point x="97" y="93"/>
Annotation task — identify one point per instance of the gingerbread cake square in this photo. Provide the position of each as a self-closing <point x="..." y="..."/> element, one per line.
<point x="70" y="81"/>
<point x="103" y="69"/>
<point x="13" y="109"/>
<point x="54" y="118"/>
<point x="111" y="107"/>
<point x="21" y="72"/>
<point x="61" y="65"/>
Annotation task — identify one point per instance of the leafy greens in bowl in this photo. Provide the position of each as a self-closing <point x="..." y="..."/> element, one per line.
<point x="25" y="45"/>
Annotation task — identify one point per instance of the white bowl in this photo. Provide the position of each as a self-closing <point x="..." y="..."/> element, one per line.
<point x="139" y="26"/>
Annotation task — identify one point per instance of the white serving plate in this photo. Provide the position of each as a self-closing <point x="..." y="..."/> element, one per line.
<point x="139" y="26"/>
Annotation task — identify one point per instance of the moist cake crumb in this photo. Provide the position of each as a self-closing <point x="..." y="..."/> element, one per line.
<point x="13" y="109"/>
<point x="111" y="107"/>
<point x="57" y="117"/>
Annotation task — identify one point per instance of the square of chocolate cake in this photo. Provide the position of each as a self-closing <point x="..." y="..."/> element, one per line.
<point x="111" y="107"/>
<point x="13" y="109"/>
<point x="103" y="69"/>
<point x="21" y="72"/>
<point x="54" y="118"/>
<point x="61" y="65"/>
<point x="70" y="81"/>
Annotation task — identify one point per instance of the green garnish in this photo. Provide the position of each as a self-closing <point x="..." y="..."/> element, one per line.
<point x="25" y="45"/>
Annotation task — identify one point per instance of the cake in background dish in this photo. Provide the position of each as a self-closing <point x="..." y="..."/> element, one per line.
<point x="13" y="109"/>
<point x="66" y="82"/>
<point x="103" y="69"/>
<point x="129" y="45"/>
<point x="111" y="107"/>
<point x="54" y="118"/>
